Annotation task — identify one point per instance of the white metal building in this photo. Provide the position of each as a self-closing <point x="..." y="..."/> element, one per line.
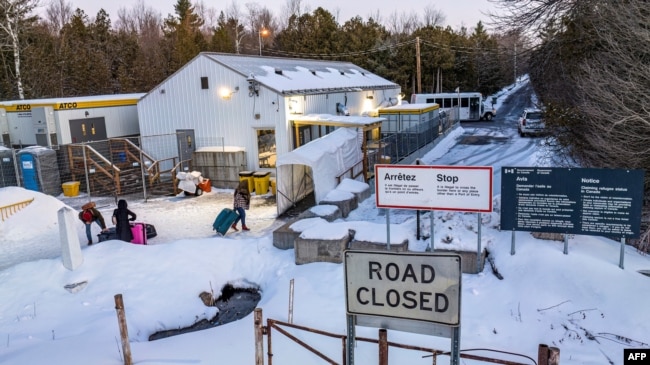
<point x="58" y="121"/>
<point x="248" y="101"/>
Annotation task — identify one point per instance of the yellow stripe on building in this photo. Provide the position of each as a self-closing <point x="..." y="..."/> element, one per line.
<point x="72" y="105"/>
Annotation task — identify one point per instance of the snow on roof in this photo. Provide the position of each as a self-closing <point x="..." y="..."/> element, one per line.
<point x="420" y="107"/>
<point x="352" y="120"/>
<point x="302" y="76"/>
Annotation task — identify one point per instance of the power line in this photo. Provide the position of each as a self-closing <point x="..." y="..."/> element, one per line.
<point x="391" y="47"/>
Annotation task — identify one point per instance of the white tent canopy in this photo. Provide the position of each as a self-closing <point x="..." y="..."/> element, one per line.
<point x="315" y="166"/>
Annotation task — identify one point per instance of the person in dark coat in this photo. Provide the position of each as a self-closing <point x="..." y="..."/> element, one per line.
<point x="242" y="201"/>
<point x="90" y="215"/>
<point x="121" y="217"/>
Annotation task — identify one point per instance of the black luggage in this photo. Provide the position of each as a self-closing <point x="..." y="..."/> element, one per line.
<point x="151" y="230"/>
<point x="224" y="220"/>
<point x="108" y="235"/>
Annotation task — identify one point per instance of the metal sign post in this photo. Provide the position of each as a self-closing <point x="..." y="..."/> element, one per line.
<point x="478" y="252"/>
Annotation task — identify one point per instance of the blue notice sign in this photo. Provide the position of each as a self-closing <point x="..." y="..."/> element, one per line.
<point x="597" y="202"/>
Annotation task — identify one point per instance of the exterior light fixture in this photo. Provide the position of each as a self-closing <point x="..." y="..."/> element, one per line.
<point x="262" y="32"/>
<point x="226" y="93"/>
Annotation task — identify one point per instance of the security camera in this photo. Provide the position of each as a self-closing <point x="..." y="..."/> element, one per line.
<point x="251" y="78"/>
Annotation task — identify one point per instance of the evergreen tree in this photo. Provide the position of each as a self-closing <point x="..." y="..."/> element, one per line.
<point x="316" y="34"/>
<point x="183" y="35"/>
<point x="222" y="35"/>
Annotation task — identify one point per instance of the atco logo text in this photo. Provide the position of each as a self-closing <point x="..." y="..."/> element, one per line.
<point x="68" y="106"/>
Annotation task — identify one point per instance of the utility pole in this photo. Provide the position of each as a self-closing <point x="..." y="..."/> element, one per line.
<point x="417" y="65"/>
<point x="515" y="61"/>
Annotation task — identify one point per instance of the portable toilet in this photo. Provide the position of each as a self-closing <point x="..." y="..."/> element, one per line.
<point x="39" y="170"/>
<point x="8" y="175"/>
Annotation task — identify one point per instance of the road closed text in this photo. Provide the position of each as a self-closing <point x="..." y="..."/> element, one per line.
<point x="408" y="299"/>
<point x="410" y="286"/>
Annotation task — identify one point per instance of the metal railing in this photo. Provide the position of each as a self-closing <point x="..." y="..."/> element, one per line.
<point x="546" y="355"/>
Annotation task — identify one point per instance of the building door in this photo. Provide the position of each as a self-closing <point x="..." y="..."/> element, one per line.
<point x="88" y="129"/>
<point x="186" y="146"/>
<point x="474" y="108"/>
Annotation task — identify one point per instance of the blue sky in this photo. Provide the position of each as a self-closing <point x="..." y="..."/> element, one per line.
<point x="457" y="12"/>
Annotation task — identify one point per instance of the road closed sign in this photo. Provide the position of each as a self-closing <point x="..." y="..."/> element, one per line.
<point x="413" y="286"/>
<point x="423" y="187"/>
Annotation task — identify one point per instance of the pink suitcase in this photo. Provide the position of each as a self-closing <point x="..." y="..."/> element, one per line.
<point x="139" y="233"/>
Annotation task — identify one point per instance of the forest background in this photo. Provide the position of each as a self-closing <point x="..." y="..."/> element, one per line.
<point x="588" y="60"/>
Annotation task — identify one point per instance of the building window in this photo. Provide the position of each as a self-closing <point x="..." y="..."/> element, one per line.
<point x="204" y="83"/>
<point x="266" y="148"/>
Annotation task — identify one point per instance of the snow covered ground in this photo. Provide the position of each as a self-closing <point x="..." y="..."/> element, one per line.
<point x="582" y="303"/>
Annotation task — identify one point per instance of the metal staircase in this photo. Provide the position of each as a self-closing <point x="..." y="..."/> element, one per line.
<point x="124" y="168"/>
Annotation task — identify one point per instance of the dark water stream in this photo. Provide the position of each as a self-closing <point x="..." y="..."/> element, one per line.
<point x="234" y="304"/>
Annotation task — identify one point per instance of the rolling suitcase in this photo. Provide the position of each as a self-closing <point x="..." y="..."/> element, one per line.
<point x="139" y="233"/>
<point x="151" y="230"/>
<point x="224" y="220"/>
<point x="108" y="235"/>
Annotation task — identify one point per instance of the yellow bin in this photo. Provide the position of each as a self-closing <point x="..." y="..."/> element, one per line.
<point x="261" y="182"/>
<point x="247" y="176"/>
<point x="70" y="188"/>
<point x="273" y="187"/>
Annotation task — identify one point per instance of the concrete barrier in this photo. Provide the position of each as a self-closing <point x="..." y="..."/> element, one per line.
<point x="285" y="236"/>
<point x="360" y="189"/>
<point x="376" y="246"/>
<point x="345" y="200"/>
<point x="467" y="260"/>
<point x="328" y="212"/>
<point x="310" y="248"/>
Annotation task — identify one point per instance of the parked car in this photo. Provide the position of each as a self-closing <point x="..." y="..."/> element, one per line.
<point x="531" y="122"/>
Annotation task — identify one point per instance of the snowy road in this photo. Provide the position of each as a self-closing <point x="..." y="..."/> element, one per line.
<point x="497" y="143"/>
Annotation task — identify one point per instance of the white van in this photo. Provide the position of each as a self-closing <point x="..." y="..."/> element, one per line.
<point x="470" y="105"/>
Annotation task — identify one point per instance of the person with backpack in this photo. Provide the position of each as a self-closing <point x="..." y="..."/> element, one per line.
<point x="121" y="218"/>
<point x="242" y="201"/>
<point x="88" y="215"/>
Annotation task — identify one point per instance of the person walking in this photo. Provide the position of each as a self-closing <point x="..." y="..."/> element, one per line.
<point x="88" y="215"/>
<point x="121" y="218"/>
<point x="242" y="201"/>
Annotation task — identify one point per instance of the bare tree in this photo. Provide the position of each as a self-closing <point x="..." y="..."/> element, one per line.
<point x="615" y="87"/>
<point x="432" y="17"/>
<point x="14" y="13"/>
<point x="292" y="8"/>
<point x="530" y="16"/>
<point x="140" y="19"/>
<point x="402" y="22"/>
<point x="210" y="17"/>
<point x="57" y="14"/>
<point x="233" y="13"/>
<point x="261" y="24"/>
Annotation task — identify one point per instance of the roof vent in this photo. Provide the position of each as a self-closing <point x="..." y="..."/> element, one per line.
<point x="278" y="71"/>
<point x="313" y="72"/>
<point x="342" y="72"/>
